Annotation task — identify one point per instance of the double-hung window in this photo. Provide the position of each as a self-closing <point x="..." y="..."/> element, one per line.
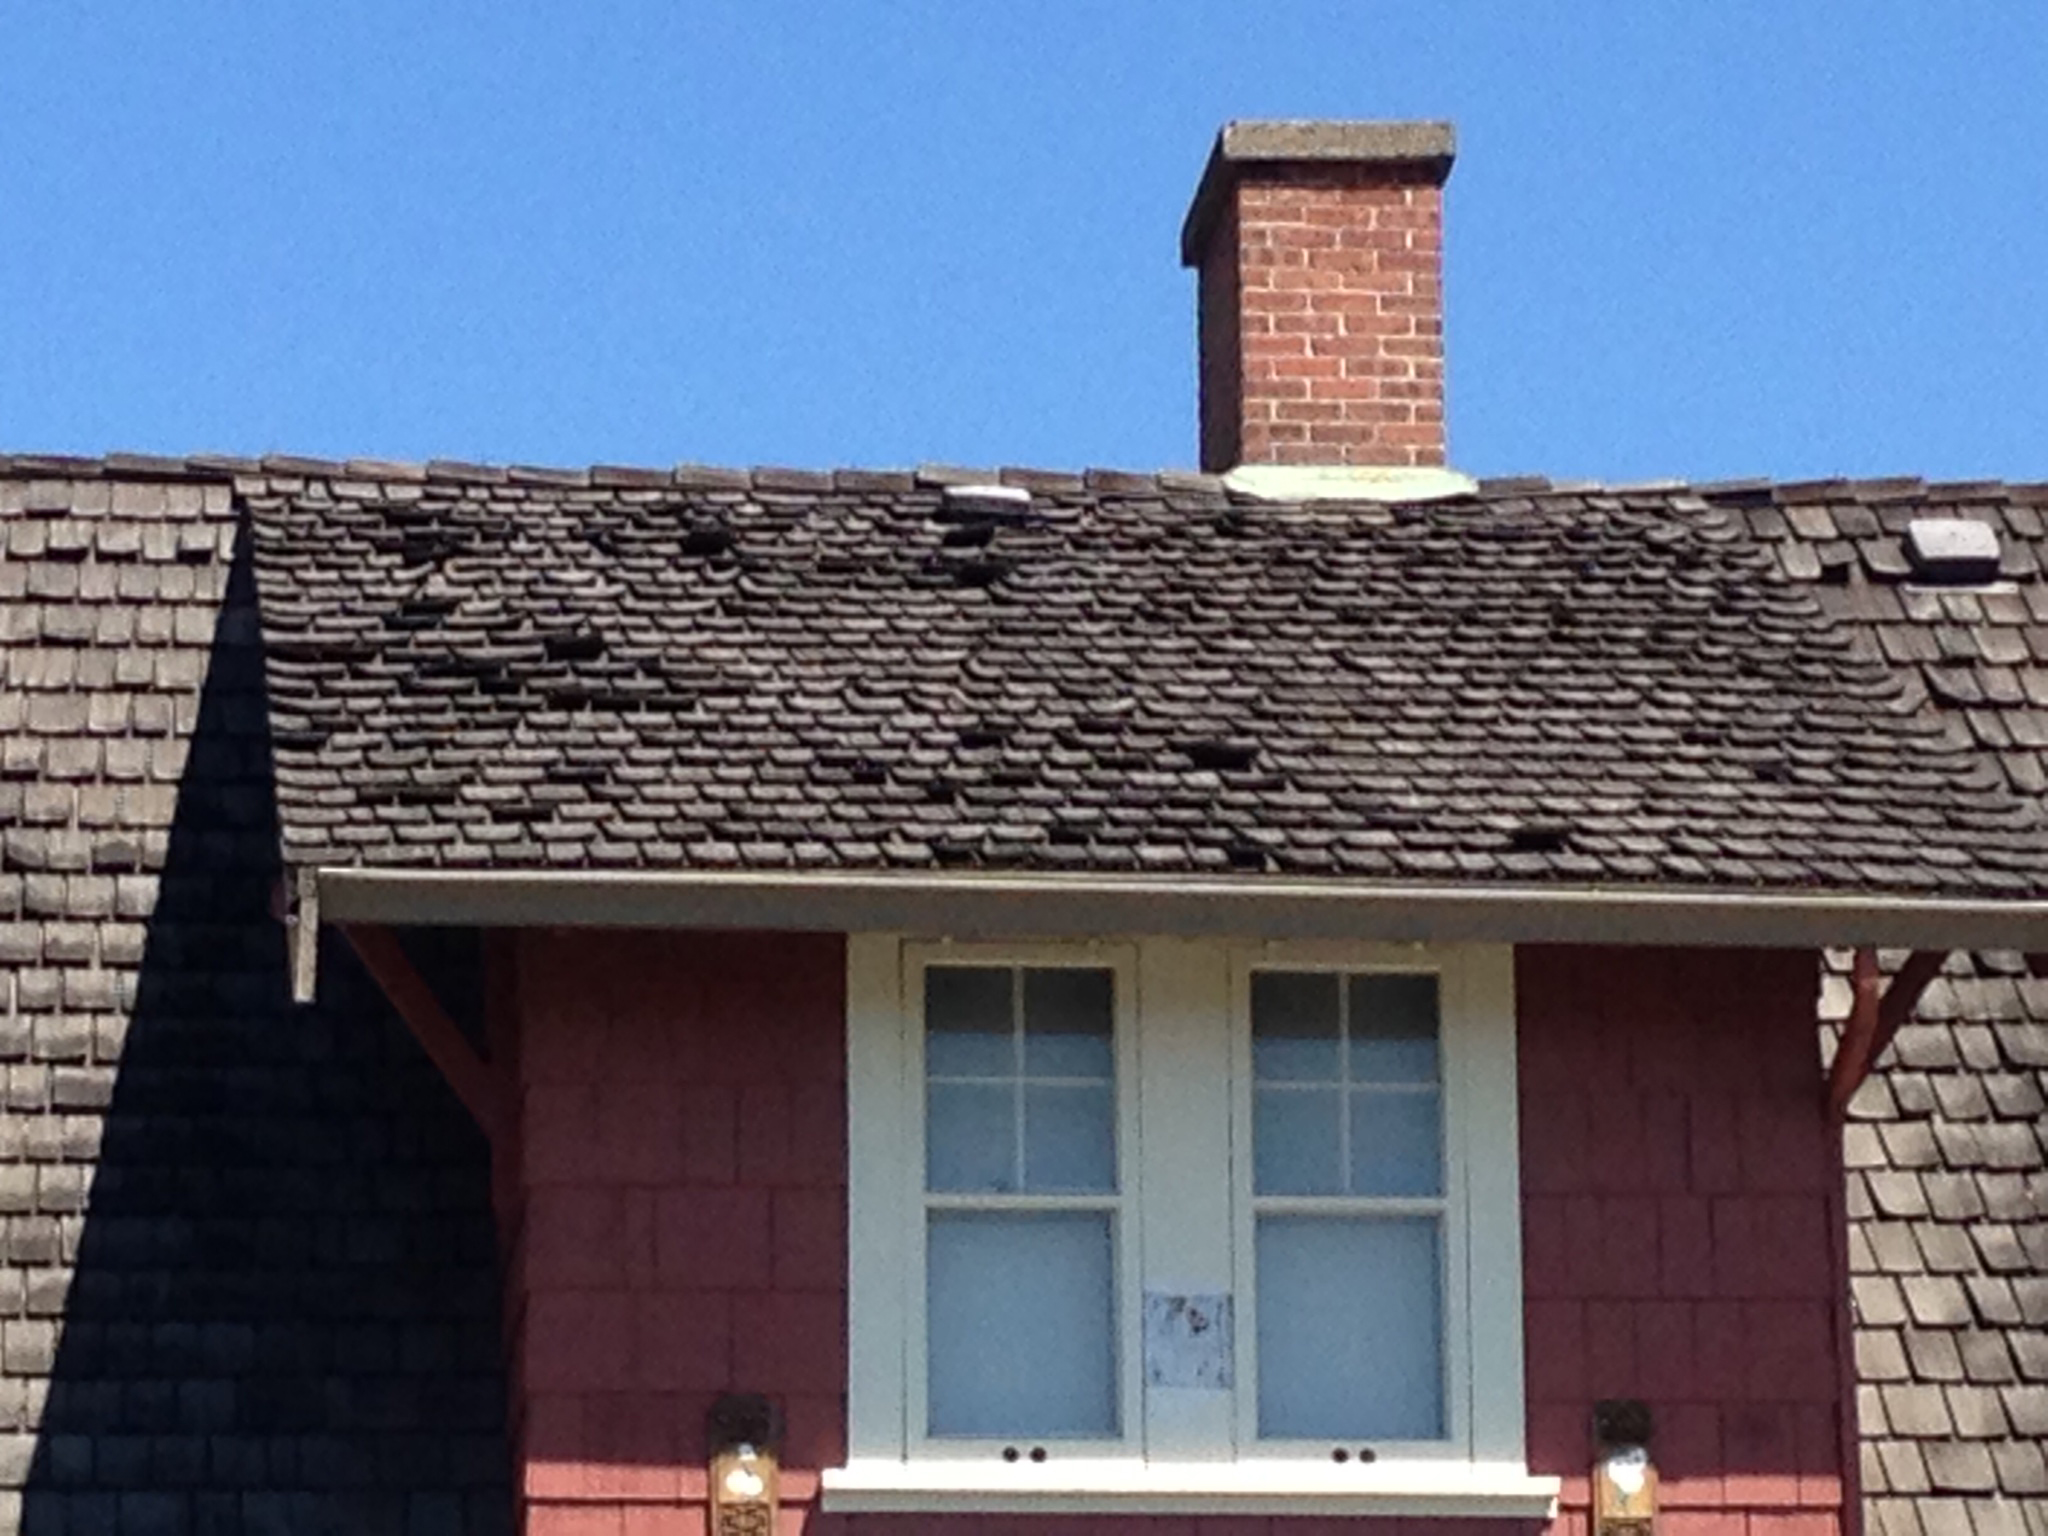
<point x="1167" y="1225"/>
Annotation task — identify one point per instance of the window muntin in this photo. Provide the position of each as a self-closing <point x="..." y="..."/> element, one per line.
<point x="1180" y="1227"/>
<point x="1023" y="1230"/>
<point x="1348" y="1209"/>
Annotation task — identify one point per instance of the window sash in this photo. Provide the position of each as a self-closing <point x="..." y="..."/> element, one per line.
<point x="920" y="1203"/>
<point x="1193" y="994"/>
<point x="1450" y="1209"/>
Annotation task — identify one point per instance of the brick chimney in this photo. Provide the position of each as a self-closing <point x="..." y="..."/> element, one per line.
<point x="1320" y="249"/>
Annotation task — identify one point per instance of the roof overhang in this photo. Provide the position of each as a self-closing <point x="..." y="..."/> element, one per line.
<point x="973" y="905"/>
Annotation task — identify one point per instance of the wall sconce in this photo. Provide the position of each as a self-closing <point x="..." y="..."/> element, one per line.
<point x="1624" y="1477"/>
<point x="744" y="1433"/>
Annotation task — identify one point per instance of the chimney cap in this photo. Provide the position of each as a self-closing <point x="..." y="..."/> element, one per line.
<point x="1407" y="149"/>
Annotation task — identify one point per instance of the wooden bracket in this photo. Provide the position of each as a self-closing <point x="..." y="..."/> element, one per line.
<point x="1874" y="1018"/>
<point x="470" y="1075"/>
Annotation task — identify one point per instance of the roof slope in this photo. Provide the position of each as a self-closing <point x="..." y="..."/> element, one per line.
<point x="788" y="671"/>
<point x="1948" y="1143"/>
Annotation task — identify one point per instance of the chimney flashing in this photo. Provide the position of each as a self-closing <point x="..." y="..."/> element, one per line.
<point x="1388" y="484"/>
<point x="1407" y="151"/>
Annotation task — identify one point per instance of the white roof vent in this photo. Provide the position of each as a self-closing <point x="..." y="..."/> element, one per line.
<point x="988" y="498"/>
<point x="1953" y="551"/>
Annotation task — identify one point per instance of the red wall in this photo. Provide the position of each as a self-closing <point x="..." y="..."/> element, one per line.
<point x="682" y="1232"/>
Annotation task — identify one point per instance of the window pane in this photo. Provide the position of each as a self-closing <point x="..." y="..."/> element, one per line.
<point x="1295" y="1141"/>
<point x="1350" y="1329"/>
<point x="1393" y="1029"/>
<point x="1020" y="1311"/>
<point x="970" y="1137"/>
<point x="1069" y="1140"/>
<point x="1396" y="1143"/>
<point x="1294" y="1026"/>
<point x="1067" y="1021"/>
<point x="968" y="1028"/>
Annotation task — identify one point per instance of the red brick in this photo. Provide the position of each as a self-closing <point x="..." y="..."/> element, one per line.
<point x="683" y="1342"/>
<point x="711" y="1239"/>
<point x="790" y="1342"/>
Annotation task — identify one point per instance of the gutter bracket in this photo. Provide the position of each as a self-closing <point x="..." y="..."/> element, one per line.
<point x="1875" y="1017"/>
<point x="471" y="1077"/>
<point x="302" y="932"/>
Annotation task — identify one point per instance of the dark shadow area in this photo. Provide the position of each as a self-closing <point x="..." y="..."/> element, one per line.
<point x="285" y="1311"/>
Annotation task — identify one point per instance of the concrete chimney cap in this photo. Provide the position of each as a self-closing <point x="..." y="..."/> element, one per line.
<point x="1409" y="148"/>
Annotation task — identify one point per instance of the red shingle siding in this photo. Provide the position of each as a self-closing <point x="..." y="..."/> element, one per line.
<point x="684" y="1163"/>
<point x="1322" y="321"/>
<point x="684" y="1230"/>
<point x="1677" y="1178"/>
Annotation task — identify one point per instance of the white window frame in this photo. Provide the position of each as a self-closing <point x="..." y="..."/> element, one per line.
<point x="1184" y="1099"/>
<point x="1126" y="1253"/>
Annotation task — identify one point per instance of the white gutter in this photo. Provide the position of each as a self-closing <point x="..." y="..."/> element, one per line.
<point x="1066" y="906"/>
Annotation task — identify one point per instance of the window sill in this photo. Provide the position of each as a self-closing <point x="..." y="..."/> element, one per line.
<point x="1112" y="1487"/>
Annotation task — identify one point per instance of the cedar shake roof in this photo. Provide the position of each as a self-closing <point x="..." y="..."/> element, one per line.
<point x="115" y="591"/>
<point x="797" y="671"/>
<point x="1947" y="1144"/>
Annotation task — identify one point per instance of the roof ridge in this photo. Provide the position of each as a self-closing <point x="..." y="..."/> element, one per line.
<point x="1098" y="480"/>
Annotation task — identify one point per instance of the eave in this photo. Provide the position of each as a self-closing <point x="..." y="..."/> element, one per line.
<point x="976" y="905"/>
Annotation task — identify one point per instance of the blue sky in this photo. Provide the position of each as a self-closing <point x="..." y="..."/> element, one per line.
<point x="1684" y="239"/>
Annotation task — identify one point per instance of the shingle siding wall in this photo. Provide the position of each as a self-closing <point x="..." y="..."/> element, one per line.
<point x="1680" y="1187"/>
<point x="245" y="1259"/>
<point x="684" y="1228"/>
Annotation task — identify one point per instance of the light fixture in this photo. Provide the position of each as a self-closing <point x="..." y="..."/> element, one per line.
<point x="744" y="1434"/>
<point x="1624" y="1477"/>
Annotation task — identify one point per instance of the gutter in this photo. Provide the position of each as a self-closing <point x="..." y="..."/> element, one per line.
<point x="971" y="905"/>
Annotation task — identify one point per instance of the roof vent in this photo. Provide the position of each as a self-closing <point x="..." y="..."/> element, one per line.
<point x="1954" y="551"/>
<point x="988" y="498"/>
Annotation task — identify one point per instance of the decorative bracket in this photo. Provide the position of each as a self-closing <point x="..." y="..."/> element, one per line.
<point x="1875" y="1017"/>
<point x="470" y="1075"/>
